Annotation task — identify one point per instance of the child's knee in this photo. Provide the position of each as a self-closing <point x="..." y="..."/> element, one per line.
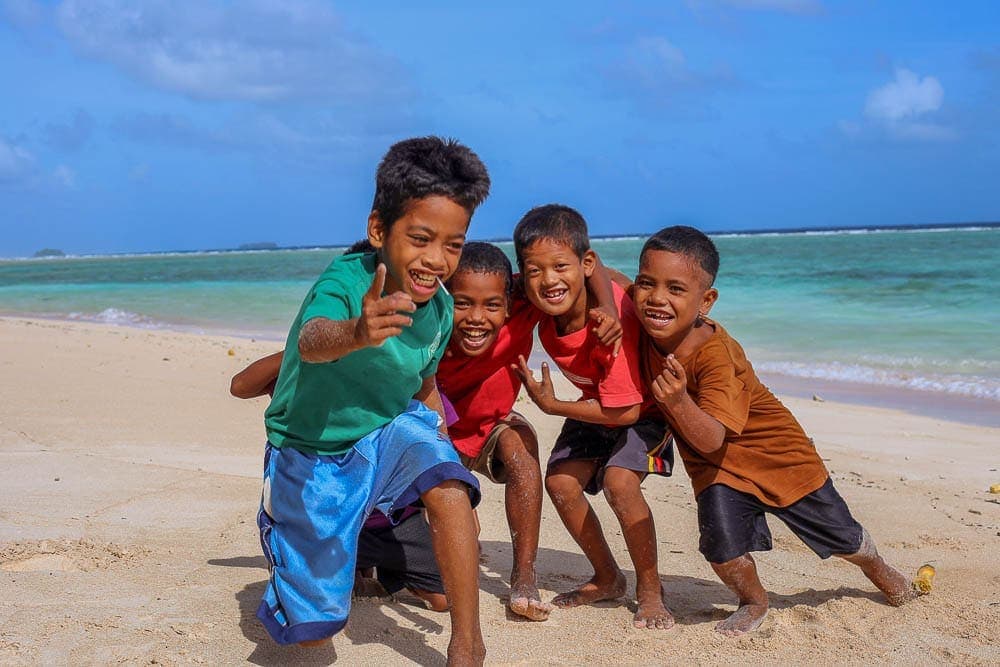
<point x="448" y="492"/>
<point x="562" y="489"/>
<point x="620" y="486"/>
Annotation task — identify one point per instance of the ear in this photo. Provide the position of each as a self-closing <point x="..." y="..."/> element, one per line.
<point x="376" y="230"/>
<point x="708" y="300"/>
<point x="589" y="263"/>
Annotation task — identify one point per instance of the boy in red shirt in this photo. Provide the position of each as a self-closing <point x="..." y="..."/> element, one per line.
<point x="602" y="445"/>
<point x="493" y="328"/>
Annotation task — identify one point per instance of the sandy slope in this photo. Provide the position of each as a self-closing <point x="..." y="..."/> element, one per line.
<point x="130" y="483"/>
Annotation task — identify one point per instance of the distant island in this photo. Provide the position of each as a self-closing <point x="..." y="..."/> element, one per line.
<point x="49" y="252"/>
<point x="260" y="245"/>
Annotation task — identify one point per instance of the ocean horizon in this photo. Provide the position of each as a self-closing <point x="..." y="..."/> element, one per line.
<point x="908" y="311"/>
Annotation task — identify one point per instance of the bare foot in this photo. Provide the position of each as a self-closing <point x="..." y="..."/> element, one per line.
<point x="594" y="590"/>
<point x="745" y="619"/>
<point x="525" y="601"/>
<point x="465" y="655"/>
<point x="898" y="591"/>
<point x="652" y="613"/>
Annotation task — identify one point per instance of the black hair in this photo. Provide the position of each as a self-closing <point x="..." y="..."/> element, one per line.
<point x="426" y="166"/>
<point x="687" y="241"/>
<point x="553" y="222"/>
<point x="480" y="257"/>
<point x="364" y="245"/>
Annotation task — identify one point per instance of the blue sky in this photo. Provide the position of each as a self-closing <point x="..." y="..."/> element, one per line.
<point x="187" y="124"/>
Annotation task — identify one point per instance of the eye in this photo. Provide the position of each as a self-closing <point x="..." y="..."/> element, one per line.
<point x="419" y="239"/>
<point x="461" y="305"/>
<point x="562" y="266"/>
<point x="456" y="246"/>
<point x="676" y="289"/>
<point x="532" y="272"/>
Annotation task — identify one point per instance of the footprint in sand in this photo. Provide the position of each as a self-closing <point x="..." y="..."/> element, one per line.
<point x="64" y="556"/>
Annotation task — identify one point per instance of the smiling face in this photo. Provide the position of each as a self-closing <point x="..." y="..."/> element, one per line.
<point x="554" y="280"/>
<point x="422" y="246"/>
<point x="670" y="291"/>
<point x="480" y="310"/>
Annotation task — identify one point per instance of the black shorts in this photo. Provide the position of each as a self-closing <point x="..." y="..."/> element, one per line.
<point x="645" y="446"/>
<point x="733" y="523"/>
<point x="402" y="555"/>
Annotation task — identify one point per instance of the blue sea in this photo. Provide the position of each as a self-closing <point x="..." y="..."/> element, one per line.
<point x="910" y="312"/>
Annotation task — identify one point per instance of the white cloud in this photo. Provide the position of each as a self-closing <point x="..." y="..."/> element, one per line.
<point x="656" y="71"/>
<point x="253" y="50"/>
<point x="906" y="97"/>
<point x="16" y="164"/>
<point x="904" y="109"/>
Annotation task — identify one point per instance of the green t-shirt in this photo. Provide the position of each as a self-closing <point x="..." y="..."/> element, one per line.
<point x="326" y="408"/>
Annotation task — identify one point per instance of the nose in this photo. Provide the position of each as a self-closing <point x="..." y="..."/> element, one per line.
<point x="433" y="257"/>
<point x="477" y="315"/>
<point x="657" y="297"/>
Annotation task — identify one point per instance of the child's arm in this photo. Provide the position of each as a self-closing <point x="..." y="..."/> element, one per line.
<point x="258" y="378"/>
<point x="695" y="426"/>
<point x="322" y="340"/>
<point x="544" y="396"/>
<point x="429" y="395"/>
<point x="609" y="326"/>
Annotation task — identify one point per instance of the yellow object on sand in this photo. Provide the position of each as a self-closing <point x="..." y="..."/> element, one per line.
<point x="232" y="352"/>
<point x="924" y="580"/>
<point x="995" y="488"/>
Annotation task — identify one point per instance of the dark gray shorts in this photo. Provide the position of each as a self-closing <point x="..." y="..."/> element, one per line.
<point x="645" y="446"/>
<point x="402" y="555"/>
<point x="733" y="523"/>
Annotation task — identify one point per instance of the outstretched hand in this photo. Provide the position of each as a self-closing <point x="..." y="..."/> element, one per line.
<point x="670" y="386"/>
<point x="608" y="329"/>
<point x="541" y="393"/>
<point x="382" y="317"/>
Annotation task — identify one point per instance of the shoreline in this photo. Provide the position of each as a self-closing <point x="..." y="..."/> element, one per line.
<point x="960" y="409"/>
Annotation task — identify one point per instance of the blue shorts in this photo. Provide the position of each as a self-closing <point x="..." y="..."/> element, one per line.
<point x="313" y="507"/>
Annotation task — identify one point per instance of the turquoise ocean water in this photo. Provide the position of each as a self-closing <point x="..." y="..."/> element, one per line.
<point x="913" y="310"/>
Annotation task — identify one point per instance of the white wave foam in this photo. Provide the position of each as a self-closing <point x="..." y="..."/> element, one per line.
<point x="963" y="385"/>
<point x="119" y="317"/>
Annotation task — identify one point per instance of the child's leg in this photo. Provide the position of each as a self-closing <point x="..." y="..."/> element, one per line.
<point x="565" y="483"/>
<point x="621" y="487"/>
<point x="886" y="578"/>
<point x="517" y="451"/>
<point x="823" y="521"/>
<point x="740" y="576"/>
<point x="456" y="548"/>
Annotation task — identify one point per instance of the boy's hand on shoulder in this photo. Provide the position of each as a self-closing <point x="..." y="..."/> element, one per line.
<point x="608" y="329"/>
<point x="670" y="387"/>
<point x="382" y="317"/>
<point x="542" y="393"/>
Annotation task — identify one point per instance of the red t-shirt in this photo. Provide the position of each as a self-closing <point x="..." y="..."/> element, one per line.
<point x="483" y="388"/>
<point x="615" y="382"/>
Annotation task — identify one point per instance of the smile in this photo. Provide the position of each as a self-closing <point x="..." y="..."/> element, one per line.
<point x="426" y="282"/>
<point x="474" y="338"/>
<point x="555" y="295"/>
<point x="657" y="318"/>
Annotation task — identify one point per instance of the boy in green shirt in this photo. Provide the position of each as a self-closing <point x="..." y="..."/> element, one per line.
<point x="356" y="421"/>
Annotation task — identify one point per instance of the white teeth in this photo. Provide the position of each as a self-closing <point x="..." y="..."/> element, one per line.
<point x="423" y="279"/>
<point x="476" y="335"/>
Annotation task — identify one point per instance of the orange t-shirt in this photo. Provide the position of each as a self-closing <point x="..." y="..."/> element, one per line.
<point x="765" y="453"/>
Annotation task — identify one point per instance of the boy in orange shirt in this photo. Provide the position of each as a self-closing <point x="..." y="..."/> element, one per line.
<point x="601" y="445"/>
<point x="746" y="454"/>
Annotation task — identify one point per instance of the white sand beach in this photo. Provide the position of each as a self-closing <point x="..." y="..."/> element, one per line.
<point x="130" y="481"/>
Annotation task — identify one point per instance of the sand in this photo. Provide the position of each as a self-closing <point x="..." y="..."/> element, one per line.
<point x="130" y="481"/>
